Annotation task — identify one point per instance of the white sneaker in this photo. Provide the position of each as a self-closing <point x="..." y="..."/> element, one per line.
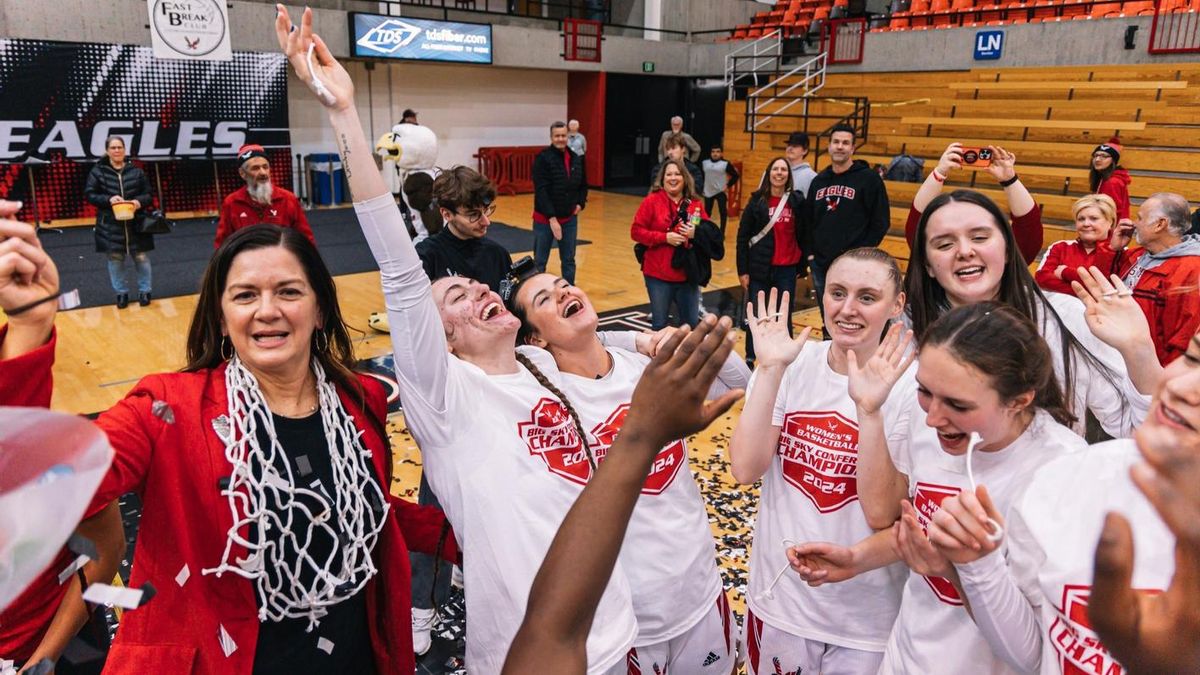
<point x="422" y="622"/>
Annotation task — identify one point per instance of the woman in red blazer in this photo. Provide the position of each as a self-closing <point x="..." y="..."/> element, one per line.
<point x="268" y="528"/>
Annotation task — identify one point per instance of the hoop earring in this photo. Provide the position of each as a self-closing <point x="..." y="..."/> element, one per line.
<point x="225" y="340"/>
<point x="321" y="349"/>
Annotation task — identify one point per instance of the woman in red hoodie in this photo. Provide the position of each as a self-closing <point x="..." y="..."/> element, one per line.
<point x="1095" y="216"/>
<point x="666" y="220"/>
<point x="1108" y="177"/>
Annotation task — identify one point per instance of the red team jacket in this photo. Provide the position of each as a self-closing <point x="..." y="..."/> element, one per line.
<point x="650" y="227"/>
<point x="26" y="381"/>
<point x="239" y="211"/>
<point x="184" y="522"/>
<point x="1169" y="297"/>
<point x="1073" y="255"/>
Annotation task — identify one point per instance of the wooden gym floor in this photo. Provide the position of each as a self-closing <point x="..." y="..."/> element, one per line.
<point x="102" y="352"/>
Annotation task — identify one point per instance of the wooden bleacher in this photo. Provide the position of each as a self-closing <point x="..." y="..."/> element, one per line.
<point x="1051" y="117"/>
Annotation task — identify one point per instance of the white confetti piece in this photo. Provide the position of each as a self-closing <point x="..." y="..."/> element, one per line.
<point x="325" y="645"/>
<point x="71" y="569"/>
<point x="183" y="576"/>
<point x="113" y="596"/>
<point x="228" y="646"/>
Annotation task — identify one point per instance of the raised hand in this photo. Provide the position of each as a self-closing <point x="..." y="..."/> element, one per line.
<point x="1145" y="631"/>
<point x="960" y="528"/>
<point x="772" y="344"/>
<point x="951" y="159"/>
<point x="1111" y="312"/>
<point x="914" y="548"/>
<point x="821" y="562"/>
<point x="871" y="382"/>
<point x="1121" y="234"/>
<point x="669" y="400"/>
<point x="312" y="61"/>
<point x="1003" y="166"/>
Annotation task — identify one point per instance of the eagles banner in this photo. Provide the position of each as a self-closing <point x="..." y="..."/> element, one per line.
<point x="73" y="95"/>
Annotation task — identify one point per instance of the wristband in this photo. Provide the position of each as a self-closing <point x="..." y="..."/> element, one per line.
<point x="16" y="311"/>
<point x="938" y="176"/>
<point x="1010" y="181"/>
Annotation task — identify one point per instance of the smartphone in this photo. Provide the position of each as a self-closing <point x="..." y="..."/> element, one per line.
<point x="976" y="158"/>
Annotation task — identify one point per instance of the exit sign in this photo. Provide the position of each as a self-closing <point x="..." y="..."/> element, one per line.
<point x="647" y="66"/>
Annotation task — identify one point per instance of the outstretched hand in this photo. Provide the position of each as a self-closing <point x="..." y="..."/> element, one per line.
<point x="1144" y="631"/>
<point x="312" y="61"/>
<point x="1111" y="312"/>
<point x="773" y="346"/>
<point x="669" y="400"/>
<point x="872" y="382"/>
<point x="821" y="562"/>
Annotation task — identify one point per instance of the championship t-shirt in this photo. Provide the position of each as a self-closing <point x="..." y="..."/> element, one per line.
<point x="668" y="554"/>
<point x="934" y="633"/>
<point x="810" y="493"/>
<point x="1053" y="533"/>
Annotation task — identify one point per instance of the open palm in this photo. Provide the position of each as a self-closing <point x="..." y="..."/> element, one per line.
<point x="872" y="382"/>
<point x="1111" y="312"/>
<point x="769" y="326"/>
<point x="312" y="61"/>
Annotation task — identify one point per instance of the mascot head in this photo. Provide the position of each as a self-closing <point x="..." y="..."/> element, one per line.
<point x="410" y="146"/>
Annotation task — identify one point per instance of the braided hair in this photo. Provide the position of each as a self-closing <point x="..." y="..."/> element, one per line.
<point x="562" y="398"/>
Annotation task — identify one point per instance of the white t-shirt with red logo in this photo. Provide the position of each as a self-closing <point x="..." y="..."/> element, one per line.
<point x="668" y="555"/>
<point x="500" y="452"/>
<point x="810" y="493"/>
<point x="1051" y="545"/>
<point x="934" y="633"/>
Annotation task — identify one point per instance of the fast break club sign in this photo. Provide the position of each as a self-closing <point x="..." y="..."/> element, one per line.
<point x="190" y="29"/>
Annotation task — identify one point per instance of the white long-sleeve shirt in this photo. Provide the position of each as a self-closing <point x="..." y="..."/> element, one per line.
<point x="500" y="452"/>
<point x="1033" y="609"/>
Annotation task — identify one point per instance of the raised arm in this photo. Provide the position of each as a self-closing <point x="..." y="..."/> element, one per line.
<point x="418" y="339"/>
<point x="881" y="486"/>
<point x="757" y="433"/>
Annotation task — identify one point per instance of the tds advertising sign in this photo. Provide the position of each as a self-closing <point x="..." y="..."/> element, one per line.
<point x="393" y="37"/>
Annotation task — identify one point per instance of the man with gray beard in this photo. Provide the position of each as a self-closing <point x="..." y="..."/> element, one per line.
<point x="259" y="200"/>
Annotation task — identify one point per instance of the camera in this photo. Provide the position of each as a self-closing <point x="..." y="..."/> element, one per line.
<point x="976" y="158"/>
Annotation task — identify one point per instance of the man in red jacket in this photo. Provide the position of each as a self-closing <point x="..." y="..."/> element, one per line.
<point x="1164" y="272"/>
<point x="259" y="200"/>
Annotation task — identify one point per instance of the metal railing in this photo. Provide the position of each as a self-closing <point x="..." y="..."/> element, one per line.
<point x="764" y="55"/>
<point x="808" y="78"/>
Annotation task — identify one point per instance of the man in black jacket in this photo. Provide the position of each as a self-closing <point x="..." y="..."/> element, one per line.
<point x="466" y="200"/>
<point x="559" y="194"/>
<point x="848" y="208"/>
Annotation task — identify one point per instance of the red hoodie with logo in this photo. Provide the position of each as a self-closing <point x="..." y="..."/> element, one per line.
<point x="1117" y="187"/>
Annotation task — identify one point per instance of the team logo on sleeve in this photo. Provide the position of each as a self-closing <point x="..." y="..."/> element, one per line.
<point x="550" y="434"/>
<point x="819" y="456"/>
<point x="666" y="463"/>
<point x="927" y="500"/>
<point x="1078" y="647"/>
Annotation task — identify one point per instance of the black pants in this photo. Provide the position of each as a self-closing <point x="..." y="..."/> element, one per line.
<point x="722" y="201"/>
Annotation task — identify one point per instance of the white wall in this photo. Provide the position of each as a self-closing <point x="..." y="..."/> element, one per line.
<point x="467" y="106"/>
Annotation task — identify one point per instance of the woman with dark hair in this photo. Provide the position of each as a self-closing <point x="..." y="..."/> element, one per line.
<point x="268" y="527"/>
<point x="1106" y="176"/>
<point x="665" y="222"/>
<point x="989" y="409"/>
<point x="771" y="240"/>
<point x="965" y="253"/>
<point x="114" y="183"/>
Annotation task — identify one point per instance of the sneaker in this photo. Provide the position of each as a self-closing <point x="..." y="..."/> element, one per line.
<point x="122" y="300"/>
<point x="143" y="299"/>
<point x="422" y="623"/>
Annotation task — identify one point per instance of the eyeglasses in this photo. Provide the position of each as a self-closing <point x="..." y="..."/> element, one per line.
<point x="475" y="216"/>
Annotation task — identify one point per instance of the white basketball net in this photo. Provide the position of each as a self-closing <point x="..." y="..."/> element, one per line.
<point x="256" y="483"/>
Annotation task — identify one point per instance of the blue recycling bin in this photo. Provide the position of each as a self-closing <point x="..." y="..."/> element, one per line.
<point x="327" y="178"/>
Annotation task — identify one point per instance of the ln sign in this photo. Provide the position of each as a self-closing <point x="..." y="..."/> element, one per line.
<point x="988" y="45"/>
